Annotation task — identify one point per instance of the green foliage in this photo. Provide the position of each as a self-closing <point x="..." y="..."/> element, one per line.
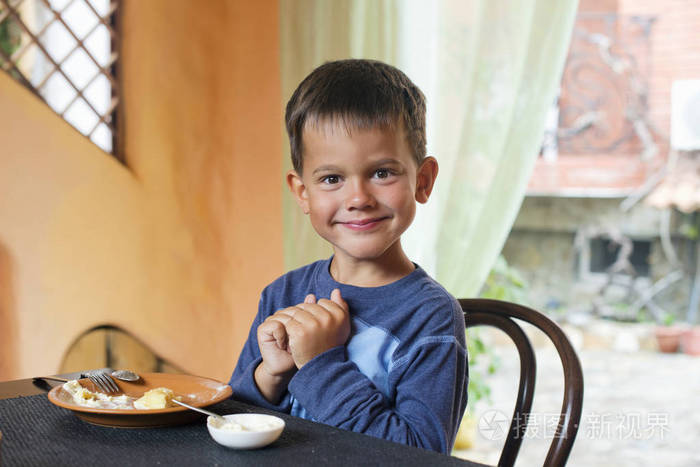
<point x="503" y="283"/>
<point x="689" y="228"/>
<point x="482" y="362"/>
<point x="10" y="36"/>
<point x="645" y="315"/>
<point x="668" y="319"/>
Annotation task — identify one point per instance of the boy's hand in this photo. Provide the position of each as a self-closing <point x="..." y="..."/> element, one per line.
<point x="314" y="327"/>
<point x="273" y="342"/>
<point x="277" y="367"/>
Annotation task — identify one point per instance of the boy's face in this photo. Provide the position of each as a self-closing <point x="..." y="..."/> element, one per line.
<point x="360" y="189"/>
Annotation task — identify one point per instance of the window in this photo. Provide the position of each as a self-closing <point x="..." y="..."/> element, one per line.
<point x="604" y="253"/>
<point x="66" y="52"/>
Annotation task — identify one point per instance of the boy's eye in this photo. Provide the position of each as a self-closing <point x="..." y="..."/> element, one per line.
<point x="382" y="173"/>
<point x="330" y="179"/>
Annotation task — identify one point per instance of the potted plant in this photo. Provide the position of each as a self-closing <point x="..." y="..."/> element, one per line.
<point x="668" y="335"/>
<point x="690" y="341"/>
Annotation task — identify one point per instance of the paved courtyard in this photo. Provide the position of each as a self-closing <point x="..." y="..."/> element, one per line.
<point x="641" y="407"/>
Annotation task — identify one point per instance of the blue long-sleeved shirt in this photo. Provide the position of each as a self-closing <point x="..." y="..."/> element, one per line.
<point x="401" y="376"/>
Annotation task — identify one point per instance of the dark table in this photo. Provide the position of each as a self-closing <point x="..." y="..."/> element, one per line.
<point x="35" y="432"/>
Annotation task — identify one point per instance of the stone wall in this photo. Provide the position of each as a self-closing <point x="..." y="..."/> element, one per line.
<point x="543" y="247"/>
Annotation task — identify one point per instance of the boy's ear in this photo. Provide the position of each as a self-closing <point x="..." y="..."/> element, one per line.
<point x="425" y="179"/>
<point x="298" y="189"/>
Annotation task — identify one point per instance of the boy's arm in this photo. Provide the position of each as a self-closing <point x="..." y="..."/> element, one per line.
<point x="429" y="402"/>
<point x="271" y="387"/>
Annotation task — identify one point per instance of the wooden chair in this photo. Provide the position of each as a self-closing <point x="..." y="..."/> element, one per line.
<point x="479" y="312"/>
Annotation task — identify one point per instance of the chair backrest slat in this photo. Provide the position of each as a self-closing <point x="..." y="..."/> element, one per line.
<point x="528" y="372"/>
<point x="499" y="314"/>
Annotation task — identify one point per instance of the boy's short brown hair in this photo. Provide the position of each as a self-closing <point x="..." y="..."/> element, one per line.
<point x="359" y="94"/>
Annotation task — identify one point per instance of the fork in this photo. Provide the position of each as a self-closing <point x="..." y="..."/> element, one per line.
<point x="103" y="381"/>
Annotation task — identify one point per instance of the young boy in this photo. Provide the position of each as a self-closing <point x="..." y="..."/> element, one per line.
<point x="365" y="340"/>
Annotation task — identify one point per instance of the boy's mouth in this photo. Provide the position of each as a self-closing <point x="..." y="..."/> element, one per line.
<point x="363" y="224"/>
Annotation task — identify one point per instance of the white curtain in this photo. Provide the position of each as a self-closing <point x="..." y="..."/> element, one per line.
<point x="489" y="69"/>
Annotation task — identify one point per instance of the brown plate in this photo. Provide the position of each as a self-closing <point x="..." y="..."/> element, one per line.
<point x="194" y="390"/>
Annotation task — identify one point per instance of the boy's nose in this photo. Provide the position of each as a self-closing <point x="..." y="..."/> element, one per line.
<point x="359" y="197"/>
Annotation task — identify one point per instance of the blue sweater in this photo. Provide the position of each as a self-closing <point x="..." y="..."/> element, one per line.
<point x="401" y="376"/>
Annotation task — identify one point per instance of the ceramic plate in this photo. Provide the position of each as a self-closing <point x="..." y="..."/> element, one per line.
<point x="194" y="390"/>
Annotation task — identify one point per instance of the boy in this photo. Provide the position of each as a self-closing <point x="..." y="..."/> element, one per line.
<point x="365" y="340"/>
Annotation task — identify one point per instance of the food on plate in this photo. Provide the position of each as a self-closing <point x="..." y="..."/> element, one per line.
<point x="157" y="398"/>
<point x="86" y="398"/>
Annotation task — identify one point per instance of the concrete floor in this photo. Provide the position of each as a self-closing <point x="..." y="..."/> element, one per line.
<point x="641" y="408"/>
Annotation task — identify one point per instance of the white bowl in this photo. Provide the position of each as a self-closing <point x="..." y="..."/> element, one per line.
<point x="258" y="430"/>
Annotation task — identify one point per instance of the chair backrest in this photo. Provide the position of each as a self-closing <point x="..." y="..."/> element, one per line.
<point x="479" y="312"/>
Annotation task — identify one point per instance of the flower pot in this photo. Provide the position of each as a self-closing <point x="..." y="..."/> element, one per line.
<point x="668" y="338"/>
<point x="691" y="341"/>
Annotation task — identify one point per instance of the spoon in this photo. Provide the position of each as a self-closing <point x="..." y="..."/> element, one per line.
<point x="197" y="409"/>
<point x="126" y="375"/>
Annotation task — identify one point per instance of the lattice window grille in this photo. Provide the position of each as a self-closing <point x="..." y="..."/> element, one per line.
<point x="65" y="52"/>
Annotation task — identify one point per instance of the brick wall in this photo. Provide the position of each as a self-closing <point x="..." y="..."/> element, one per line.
<point x="675" y="39"/>
<point x="671" y="52"/>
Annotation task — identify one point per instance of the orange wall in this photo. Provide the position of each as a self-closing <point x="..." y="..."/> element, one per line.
<point x="71" y="235"/>
<point x="176" y="247"/>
